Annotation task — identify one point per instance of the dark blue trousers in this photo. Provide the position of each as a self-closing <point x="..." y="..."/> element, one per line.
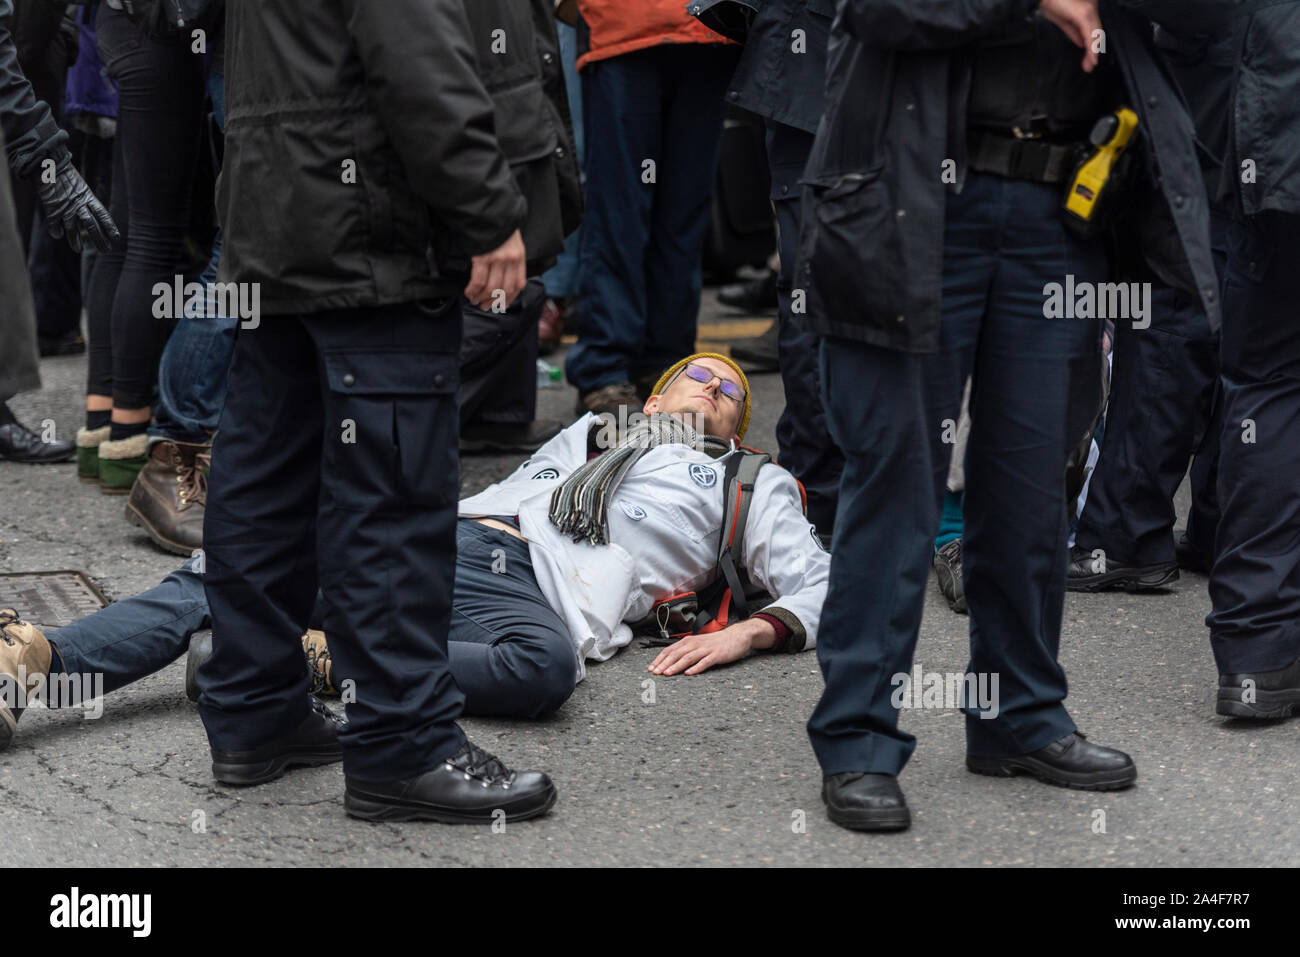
<point x="805" y="445"/>
<point x="1036" y="389"/>
<point x="336" y="465"/>
<point x="1255" y="584"/>
<point x="1163" y="402"/>
<point x="652" y="121"/>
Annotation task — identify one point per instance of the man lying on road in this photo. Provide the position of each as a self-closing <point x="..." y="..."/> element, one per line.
<point x="552" y="565"/>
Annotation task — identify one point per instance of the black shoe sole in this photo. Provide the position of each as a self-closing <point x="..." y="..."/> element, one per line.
<point x="859" y="819"/>
<point x="247" y="774"/>
<point x="1088" y="781"/>
<point x="1267" y="704"/>
<point x="367" y="808"/>
<point x="133" y="517"/>
<point x="1131" y="580"/>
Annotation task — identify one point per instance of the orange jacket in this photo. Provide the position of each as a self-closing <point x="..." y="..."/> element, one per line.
<point x="621" y="26"/>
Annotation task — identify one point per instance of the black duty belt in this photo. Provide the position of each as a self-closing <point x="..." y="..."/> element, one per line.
<point x="1007" y="155"/>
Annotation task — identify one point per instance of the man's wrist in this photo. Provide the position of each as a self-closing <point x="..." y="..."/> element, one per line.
<point x="766" y="635"/>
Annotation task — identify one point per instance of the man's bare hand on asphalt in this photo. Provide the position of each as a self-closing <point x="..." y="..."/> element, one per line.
<point x="696" y="653"/>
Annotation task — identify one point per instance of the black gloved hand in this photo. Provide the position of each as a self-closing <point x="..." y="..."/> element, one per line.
<point x="70" y="207"/>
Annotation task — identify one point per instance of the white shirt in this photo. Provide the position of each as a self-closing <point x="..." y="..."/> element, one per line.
<point x="664" y="522"/>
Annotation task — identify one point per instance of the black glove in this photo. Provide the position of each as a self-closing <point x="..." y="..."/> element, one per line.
<point x="70" y="207"/>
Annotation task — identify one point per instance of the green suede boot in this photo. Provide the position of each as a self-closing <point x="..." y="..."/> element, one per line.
<point x="120" y="462"/>
<point x="88" y="443"/>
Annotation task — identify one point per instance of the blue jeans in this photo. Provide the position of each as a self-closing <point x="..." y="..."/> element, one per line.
<point x="1036" y="389"/>
<point x="192" y="371"/>
<point x="639" y="282"/>
<point x="510" y="653"/>
<point x="561" y="280"/>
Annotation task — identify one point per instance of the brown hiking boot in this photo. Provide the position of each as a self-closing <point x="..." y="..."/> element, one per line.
<point x="24" y="667"/>
<point x="169" y="495"/>
<point x="607" y="399"/>
<point x="318" y="662"/>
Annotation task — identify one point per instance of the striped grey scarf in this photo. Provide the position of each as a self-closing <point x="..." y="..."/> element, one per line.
<point x="580" y="504"/>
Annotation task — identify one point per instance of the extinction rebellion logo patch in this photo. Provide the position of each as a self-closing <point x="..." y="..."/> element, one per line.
<point x="634" y="512"/>
<point x="703" y="476"/>
<point x="547" y="474"/>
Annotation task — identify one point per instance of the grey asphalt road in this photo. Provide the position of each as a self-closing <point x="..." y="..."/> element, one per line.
<point x="716" y="771"/>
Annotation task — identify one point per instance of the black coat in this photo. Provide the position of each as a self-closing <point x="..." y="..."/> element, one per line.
<point x="871" y="247"/>
<point x="388" y="91"/>
<point x="30" y="133"/>
<point x="781" y="74"/>
<point x="521" y="70"/>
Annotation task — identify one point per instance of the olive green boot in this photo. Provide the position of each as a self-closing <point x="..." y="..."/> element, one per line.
<point x="120" y="462"/>
<point x="88" y="443"/>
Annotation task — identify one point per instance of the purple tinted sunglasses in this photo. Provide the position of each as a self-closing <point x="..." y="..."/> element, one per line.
<point x="704" y="376"/>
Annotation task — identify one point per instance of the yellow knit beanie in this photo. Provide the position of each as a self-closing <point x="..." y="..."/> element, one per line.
<point x="744" y="383"/>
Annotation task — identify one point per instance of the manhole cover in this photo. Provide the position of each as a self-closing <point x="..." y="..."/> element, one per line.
<point x="51" y="599"/>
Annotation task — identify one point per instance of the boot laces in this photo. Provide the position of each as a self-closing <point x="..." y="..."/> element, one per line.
<point x="192" y="481"/>
<point x="8" y="617"/>
<point x="318" y="660"/>
<point x="325" y="711"/>
<point x="481" y="764"/>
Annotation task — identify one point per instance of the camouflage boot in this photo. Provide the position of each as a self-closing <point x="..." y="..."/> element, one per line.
<point x="24" y="668"/>
<point x="318" y="662"/>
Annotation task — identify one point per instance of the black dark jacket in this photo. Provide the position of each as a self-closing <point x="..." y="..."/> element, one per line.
<point x="390" y="90"/>
<point x="871" y="253"/>
<point x="30" y="133"/>
<point x="782" y="73"/>
<point x="519" y="62"/>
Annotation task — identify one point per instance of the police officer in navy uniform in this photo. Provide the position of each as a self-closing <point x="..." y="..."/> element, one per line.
<point x="1255" y="582"/>
<point x="363" y="187"/>
<point x="1164" y="403"/>
<point x="781" y="77"/>
<point x="933" y="235"/>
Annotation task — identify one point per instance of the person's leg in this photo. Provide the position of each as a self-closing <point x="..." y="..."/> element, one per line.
<point x="160" y="97"/>
<point x="622" y="112"/>
<point x="510" y="652"/>
<point x="695" y="79"/>
<point x="193" y="368"/>
<point x="804" y="444"/>
<point x="136" y="636"/>
<point x="100" y="291"/>
<point x="260" y="535"/>
<point x="386" y="528"/>
<point x="194" y="364"/>
<point x="1035" y="391"/>
<point x="1255" y="584"/>
<point x="1162" y="377"/>
<point x="886" y="410"/>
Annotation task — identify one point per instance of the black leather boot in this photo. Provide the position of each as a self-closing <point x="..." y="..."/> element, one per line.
<point x="1071" y="762"/>
<point x="470" y="787"/>
<point x="865" y="802"/>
